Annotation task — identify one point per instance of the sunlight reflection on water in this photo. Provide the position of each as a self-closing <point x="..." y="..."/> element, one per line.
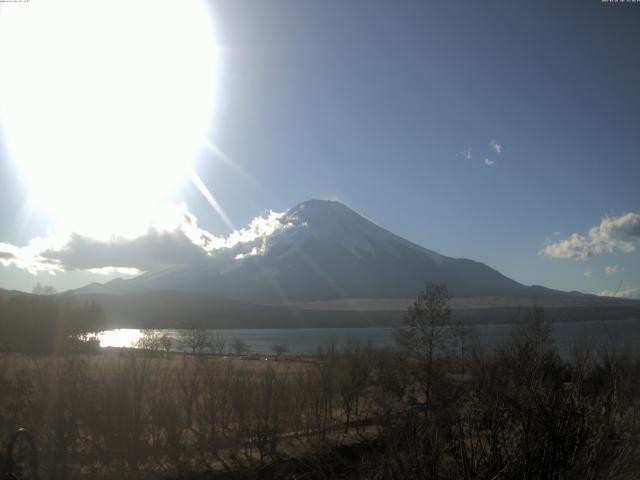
<point x="122" y="337"/>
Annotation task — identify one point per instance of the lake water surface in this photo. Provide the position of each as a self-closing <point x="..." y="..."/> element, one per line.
<point x="602" y="334"/>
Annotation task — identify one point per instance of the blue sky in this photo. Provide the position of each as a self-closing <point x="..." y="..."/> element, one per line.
<point x="484" y="130"/>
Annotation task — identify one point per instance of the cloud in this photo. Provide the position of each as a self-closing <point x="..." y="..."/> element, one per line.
<point x="151" y="251"/>
<point x="621" y="233"/>
<point x="495" y="146"/>
<point x="588" y="274"/>
<point x="626" y="293"/>
<point x="575" y="247"/>
<point x="173" y="240"/>
<point x="488" y="163"/>
<point x="111" y="270"/>
<point x="612" y="270"/>
<point x="465" y="154"/>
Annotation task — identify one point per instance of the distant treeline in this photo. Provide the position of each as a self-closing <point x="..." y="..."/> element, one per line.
<point x="175" y="310"/>
<point x="46" y="323"/>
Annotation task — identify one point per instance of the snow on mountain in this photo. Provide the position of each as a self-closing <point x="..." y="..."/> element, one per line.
<point x="335" y="222"/>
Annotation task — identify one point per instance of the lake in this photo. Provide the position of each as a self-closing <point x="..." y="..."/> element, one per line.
<point x="603" y="334"/>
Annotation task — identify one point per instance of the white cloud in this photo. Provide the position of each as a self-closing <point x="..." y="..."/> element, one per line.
<point x="111" y="270"/>
<point x="588" y="274"/>
<point x="495" y="146"/>
<point x="259" y="227"/>
<point x="252" y="253"/>
<point x="625" y="293"/>
<point x="612" y="270"/>
<point x="173" y="239"/>
<point x="465" y="154"/>
<point x="488" y="162"/>
<point x="622" y="233"/>
<point x="575" y="247"/>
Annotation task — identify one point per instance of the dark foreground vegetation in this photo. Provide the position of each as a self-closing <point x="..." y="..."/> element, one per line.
<point x="46" y="322"/>
<point x="437" y="407"/>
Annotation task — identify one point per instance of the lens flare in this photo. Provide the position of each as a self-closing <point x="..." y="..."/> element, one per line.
<point x="103" y="105"/>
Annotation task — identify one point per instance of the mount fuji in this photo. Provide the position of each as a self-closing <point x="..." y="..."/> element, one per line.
<point x="322" y="250"/>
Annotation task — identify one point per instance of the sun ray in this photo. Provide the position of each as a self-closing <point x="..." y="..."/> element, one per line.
<point x="217" y="151"/>
<point x="231" y="163"/>
<point x="206" y="193"/>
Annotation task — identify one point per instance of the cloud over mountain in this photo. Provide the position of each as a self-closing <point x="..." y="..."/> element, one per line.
<point x="155" y="249"/>
<point x="624" y="293"/>
<point x="173" y="240"/>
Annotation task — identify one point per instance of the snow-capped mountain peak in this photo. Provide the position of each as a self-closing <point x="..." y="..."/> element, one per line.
<point x="333" y="221"/>
<point x="320" y="249"/>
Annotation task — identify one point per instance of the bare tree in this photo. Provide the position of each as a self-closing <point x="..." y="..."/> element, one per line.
<point x="218" y="344"/>
<point x="422" y="333"/>
<point x="240" y="347"/>
<point x="353" y="375"/>
<point x="461" y="333"/>
<point x="196" y="340"/>
<point x="44" y="290"/>
<point x="166" y="342"/>
<point x="149" y="340"/>
<point x="279" y="349"/>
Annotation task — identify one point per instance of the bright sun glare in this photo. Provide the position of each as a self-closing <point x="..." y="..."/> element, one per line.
<point x="104" y="104"/>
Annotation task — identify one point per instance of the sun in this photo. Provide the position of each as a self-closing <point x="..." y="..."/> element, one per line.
<point x="104" y="104"/>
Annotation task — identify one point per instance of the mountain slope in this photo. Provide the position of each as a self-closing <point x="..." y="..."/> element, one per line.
<point x="322" y="250"/>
